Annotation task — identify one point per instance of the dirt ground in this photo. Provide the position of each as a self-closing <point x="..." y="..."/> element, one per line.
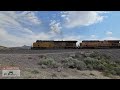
<point x="28" y="61"/>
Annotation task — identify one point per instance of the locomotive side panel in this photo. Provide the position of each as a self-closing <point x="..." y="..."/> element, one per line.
<point x="65" y="44"/>
<point x="43" y="45"/>
<point x="100" y="44"/>
<point x="59" y="44"/>
<point x="89" y="44"/>
<point x="70" y="45"/>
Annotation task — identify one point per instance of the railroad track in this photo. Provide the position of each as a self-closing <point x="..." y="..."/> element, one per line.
<point x="36" y="51"/>
<point x="52" y="51"/>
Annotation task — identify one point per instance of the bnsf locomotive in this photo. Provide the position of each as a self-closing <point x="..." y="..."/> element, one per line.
<point x="51" y="44"/>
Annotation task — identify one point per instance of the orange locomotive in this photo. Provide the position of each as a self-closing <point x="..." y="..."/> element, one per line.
<point x="100" y="44"/>
<point x="51" y="44"/>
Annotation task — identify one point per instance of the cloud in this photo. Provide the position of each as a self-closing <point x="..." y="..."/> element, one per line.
<point x="72" y="38"/>
<point x="15" y="30"/>
<point x="81" y="18"/>
<point x="30" y="16"/>
<point x="93" y="36"/>
<point x="55" y="27"/>
<point x="109" y="33"/>
<point x="110" y="38"/>
<point x="63" y="15"/>
<point x="7" y="39"/>
<point x="10" y="40"/>
<point x="17" y="18"/>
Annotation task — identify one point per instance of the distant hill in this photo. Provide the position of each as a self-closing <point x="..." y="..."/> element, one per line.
<point x="15" y="48"/>
<point x="26" y="47"/>
<point x="22" y="47"/>
<point x="3" y="47"/>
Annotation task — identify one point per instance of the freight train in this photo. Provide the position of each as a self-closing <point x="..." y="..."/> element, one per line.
<point x="51" y="44"/>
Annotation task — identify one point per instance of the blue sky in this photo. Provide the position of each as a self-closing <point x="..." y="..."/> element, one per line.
<point x="18" y="28"/>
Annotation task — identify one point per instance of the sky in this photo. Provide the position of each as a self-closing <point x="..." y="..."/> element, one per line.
<point x="18" y="28"/>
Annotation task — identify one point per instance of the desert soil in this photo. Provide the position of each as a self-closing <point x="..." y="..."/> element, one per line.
<point x="27" y="61"/>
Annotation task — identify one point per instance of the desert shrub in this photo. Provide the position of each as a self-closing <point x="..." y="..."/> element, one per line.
<point x="12" y="64"/>
<point x="117" y="70"/>
<point x="80" y="59"/>
<point x="113" y="72"/>
<point x="106" y="73"/>
<point x="89" y="66"/>
<point x="29" y="57"/>
<point x="104" y="56"/>
<point x="99" y="56"/>
<point x="68" y="62"/>
<point x="115" y="64"/>
<point x="72" y="55"/>
<point x="100" y="67"/>
<point x="46" y="61"/>
<point x="87" y="54"/>
<point x="92" y="74"/>
<point x="42" y="56"/>
<point x="117" y="61"/>
<point x="109" y="67"/>
<point x="80" y="55"/>
<point x="54" y="75"/>
<point x="109" y="72"/>
<point x="49" y="62"/>
<point x="35" y="71"/>
<point x="103" y="61"/>
<point x="77" y="55"/>
<point x="91" y="61"/>
<point x="94" y="55"/>
<point x="96" y="64"/>
<point x="80" y="65"/>
<point x="43" y="66"/>
<point x="74" y="63"/>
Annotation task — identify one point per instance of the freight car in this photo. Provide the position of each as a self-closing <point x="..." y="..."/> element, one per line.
<point x="100" y="44"/>
<point x="51" y="44"/>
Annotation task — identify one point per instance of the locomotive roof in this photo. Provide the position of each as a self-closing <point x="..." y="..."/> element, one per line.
<point x="112" y="40"/>
<point x="100" y="41"/>
<point x="90" y="41"/>
<point x="53" y="41"/>
<point x="66" y="41"/>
